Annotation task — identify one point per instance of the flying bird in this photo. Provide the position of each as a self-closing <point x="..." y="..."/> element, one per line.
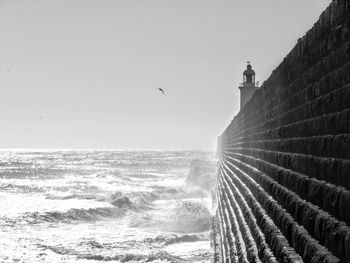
<point x="161" y="90"/>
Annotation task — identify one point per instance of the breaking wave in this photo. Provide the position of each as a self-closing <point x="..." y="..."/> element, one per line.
<point x="186" y="217"/>
<point x="121" y="203"/>
<point x="134" y="200"/>
<point x="189" y="216"/>
<point x="78" y="206"/>
<point x="159" y="256"/>
<point x="144" y="199"/>
<point x="70" y="216"/>
<point x="128" y="257"/>
<point x="174" y="239"/>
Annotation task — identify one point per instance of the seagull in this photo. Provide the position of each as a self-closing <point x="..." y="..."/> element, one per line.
<point x="161" y="90"/>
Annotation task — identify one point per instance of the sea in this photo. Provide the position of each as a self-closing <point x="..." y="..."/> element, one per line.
<point x="103" y="206"/>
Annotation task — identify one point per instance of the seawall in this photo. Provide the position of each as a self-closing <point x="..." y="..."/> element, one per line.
<point x="283" y="184"/>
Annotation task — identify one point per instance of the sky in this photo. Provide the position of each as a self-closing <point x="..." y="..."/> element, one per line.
<point x="83" y="74"/>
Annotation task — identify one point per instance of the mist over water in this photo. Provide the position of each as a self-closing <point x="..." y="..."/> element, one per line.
<point x="93" y="206"/>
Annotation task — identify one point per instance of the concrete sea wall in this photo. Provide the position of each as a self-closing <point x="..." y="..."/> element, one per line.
<point x="283" y="185"/>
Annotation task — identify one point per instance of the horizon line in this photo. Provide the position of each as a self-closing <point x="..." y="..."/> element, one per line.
<point x="100" y="149"/>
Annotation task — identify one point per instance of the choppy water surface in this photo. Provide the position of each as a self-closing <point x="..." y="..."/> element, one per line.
<point x="93" y="206"/>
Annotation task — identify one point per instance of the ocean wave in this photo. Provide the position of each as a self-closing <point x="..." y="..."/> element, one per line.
<point x="141" y="200"/>
<point x="59" y="250"/>
<point x="144" y="175"/>
<point x="133" y="200"/>
<point x="72" y="196"/>
<point x="186" y="217"/>
<point x="162" y="256"/>
<point x="91" y="243"/>
<point x="92" y="214"/>
<point x="19" y="188"/>
<point x="123" y="202"/>
<point x="144" y="199"/>
<point x="160" y="241"/>
<point x="70" y="216"/>
<point x="174" y="239"/>
<point x="130" y="257"/>
<point x="18" y="172"/>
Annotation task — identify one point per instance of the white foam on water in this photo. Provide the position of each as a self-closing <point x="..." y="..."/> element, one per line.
<point x="52" y="186"/>
<point x="12" y="205"/>
<point x="198" y="251"/>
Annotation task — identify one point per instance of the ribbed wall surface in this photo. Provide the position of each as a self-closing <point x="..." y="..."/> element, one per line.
<point x="283" y="185"/>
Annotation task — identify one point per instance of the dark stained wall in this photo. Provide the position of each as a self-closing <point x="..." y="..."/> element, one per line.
<point x="283" y="185"/>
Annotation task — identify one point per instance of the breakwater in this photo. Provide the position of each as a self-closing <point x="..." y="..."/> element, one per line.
<point x="283" y="184"/>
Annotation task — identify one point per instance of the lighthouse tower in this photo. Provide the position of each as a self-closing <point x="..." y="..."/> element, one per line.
<point x="248" y="87"/>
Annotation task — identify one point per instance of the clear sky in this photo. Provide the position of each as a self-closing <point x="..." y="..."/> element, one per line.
<point x="84" y="73"/>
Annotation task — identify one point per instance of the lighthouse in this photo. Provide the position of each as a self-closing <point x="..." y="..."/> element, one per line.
<point x="248" y="87"/>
